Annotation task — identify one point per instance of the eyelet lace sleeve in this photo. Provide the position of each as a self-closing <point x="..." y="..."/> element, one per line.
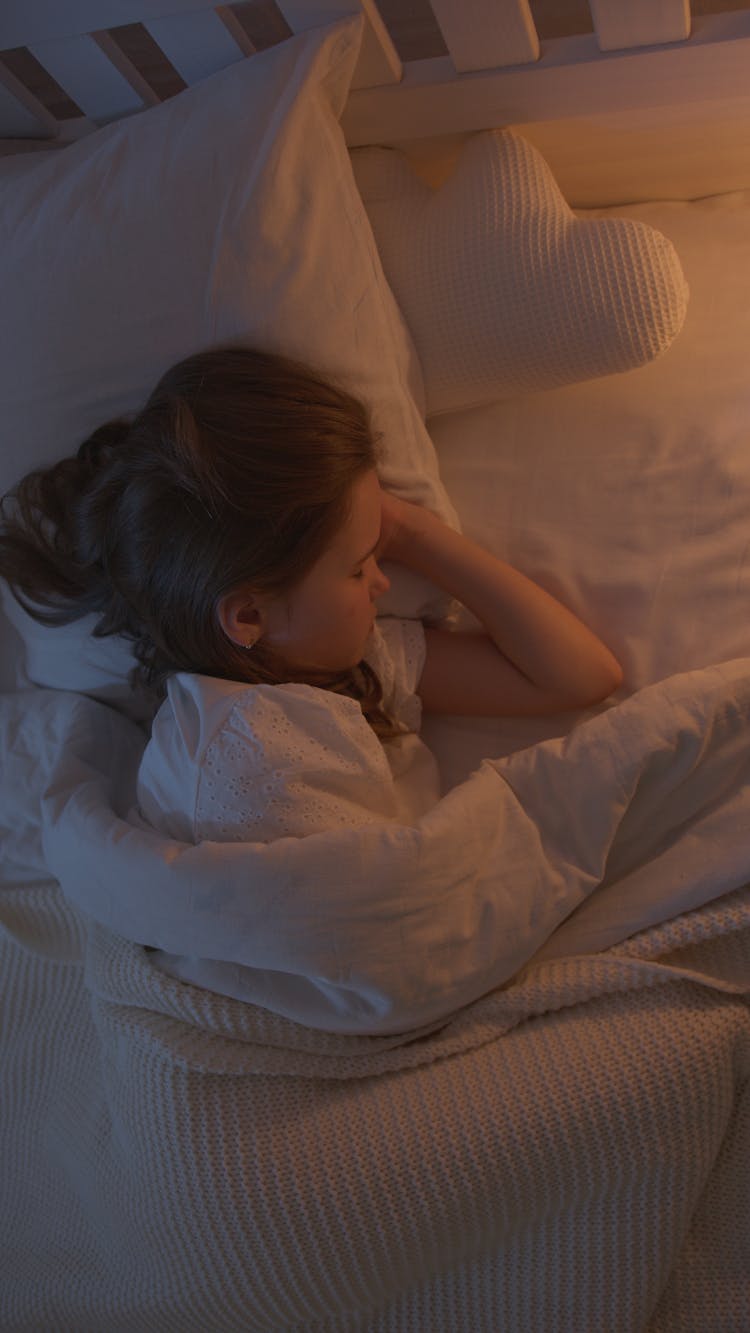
<point x="292" y="760"/>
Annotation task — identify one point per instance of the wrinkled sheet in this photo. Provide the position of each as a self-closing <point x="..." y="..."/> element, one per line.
<point x="638" y="815"/>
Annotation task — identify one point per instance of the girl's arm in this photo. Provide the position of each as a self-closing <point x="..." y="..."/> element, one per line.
<point x="539" y="658"/>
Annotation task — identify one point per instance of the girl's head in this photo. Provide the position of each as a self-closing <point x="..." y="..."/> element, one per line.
<point x="227" y="529"/>
<point x="324" y="620"/>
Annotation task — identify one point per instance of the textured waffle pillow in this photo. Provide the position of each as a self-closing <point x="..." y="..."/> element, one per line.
<point x="229" y="213"/>
<point x="506" y="291"/>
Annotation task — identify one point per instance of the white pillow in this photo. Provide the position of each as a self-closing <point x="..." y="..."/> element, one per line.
<point x="503" y="288"/>
<point x="69" y="657"/>
<point x="629" y="496"/>
<point x="228" y="213"/>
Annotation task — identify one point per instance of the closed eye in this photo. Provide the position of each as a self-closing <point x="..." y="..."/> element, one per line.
<point x="365" y="558"/>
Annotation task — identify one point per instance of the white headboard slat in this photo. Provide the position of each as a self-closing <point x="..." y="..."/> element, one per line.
<point x="88" y="75"/>
<point x="199" y="44"/>
<point x="639" y="22"/>
<point x="483" y="34"/>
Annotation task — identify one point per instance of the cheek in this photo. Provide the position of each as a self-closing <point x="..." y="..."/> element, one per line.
<point x="332" y="609"/>
<point x="351" y="607"/>
<point x="351" y="604"/>
<point x="326" y="613"/>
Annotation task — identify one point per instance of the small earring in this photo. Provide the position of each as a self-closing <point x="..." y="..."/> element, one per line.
<point x="250" y="644"/>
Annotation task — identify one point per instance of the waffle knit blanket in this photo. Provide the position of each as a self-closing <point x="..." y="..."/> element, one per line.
<point x="571" y="1153"/>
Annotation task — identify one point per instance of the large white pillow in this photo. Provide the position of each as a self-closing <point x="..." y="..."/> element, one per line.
<point x="229" y="212"/>
<point x="504" y="289"/>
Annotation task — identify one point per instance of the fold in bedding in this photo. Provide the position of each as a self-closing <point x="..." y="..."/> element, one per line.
<point x="639" y="815"/>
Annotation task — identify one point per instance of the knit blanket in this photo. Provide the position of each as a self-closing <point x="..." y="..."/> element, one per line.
<point x="570" y="1154"/>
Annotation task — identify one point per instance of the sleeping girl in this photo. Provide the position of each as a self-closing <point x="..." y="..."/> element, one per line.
<point x="232" y="530"/>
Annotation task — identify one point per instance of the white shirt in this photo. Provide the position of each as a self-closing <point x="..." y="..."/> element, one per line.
<point x="228" y="761"/>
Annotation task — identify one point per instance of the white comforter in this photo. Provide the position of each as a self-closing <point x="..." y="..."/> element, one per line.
<point x="642" y="813"/>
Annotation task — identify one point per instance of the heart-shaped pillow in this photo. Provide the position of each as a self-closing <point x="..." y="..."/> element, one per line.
<point x="504" y="289"/>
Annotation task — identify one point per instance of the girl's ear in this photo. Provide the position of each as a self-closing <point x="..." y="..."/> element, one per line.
<point x="241" y="617"/>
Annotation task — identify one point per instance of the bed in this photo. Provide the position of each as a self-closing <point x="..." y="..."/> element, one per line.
<point x="522" y="233"/>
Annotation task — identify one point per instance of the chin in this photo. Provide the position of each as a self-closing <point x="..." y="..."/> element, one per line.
<point x="367" y="638"/>
<point x="356" y="656"/>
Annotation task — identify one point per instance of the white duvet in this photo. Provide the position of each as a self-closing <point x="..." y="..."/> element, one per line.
<point x="640" y="814"/>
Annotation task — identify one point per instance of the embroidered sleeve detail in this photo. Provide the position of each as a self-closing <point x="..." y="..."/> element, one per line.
<point x="292" y="760"/>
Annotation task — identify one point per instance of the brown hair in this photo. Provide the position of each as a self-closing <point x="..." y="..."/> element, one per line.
<point x="239" y="469"/>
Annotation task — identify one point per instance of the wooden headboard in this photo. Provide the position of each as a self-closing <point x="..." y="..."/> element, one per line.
<point x="627" y="99"/>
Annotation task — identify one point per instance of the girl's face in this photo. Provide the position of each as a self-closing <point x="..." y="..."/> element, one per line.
<point x="326" y="620"/>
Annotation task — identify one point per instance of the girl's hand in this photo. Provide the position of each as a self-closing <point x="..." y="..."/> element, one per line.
<point x="401" y="521"/>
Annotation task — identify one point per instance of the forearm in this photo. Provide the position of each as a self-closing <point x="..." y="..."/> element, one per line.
<point x="542" y="638"/>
